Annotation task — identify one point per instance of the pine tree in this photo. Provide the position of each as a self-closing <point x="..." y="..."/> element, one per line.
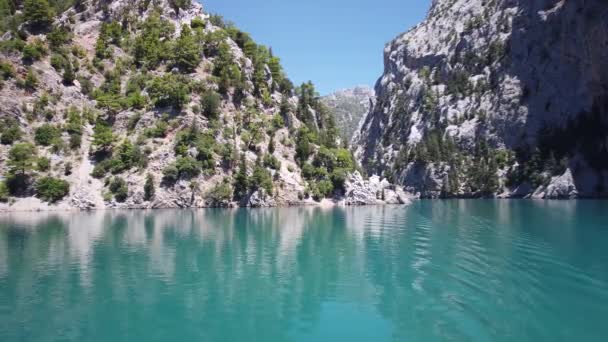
<point x="38" y="13"/>
<point x="303" y="148"/>
<point x="241" y="180"/>
<point x="271" y="146"/>
<point x="149" y="189"/>
<point x="68" y="74"/>
<point x="21" y="158"/>
<point x="274" y="64"/>
<point x="186" y="53"/>
<point x="210" y="104"/>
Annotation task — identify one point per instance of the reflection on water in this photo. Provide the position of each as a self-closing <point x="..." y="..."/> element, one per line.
<point x="456" y="270"/>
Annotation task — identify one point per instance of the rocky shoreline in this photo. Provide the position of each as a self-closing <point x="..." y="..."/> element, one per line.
<point x="358" y="192"/>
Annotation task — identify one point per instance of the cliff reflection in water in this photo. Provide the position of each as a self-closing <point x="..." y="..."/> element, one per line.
<point x="222" y="262"/>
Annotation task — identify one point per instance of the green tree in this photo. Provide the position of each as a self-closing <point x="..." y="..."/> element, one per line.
<point x="74" y="121"/>
<point x="21" y="158"/>
<point x="149" y="189"/>
<point x="31" y="80"/>
<point x="228" y="155"/>
<point x="241" y="180"/>
<point x="338" y="178"/>
<point x="75" y="141"/>
<point x="11" y="134"/>
<point x="158" y="131"/>
<point x="272" y="162"/>
<point x="210" y="104"/>
<point x="274" y="64"/>
<point x="102" y="136"/>
<point x="169" y="90"/>
<point x="271" y="146"/>
<point x="225" y="68"/>
<point x="187" y="167"/>
<point x="170" y="174"/>
<point x="38" y="13"/>
<point x="7" y="9"/>
<point x="43" y="164"/>
<point x="344" y="159"/>
<point x="58" y="36"/>
<point x="325" y="188"/>
<point x="68" y="74"/>
<point x="205" y="146"/>
<point x="324" y="158"/>
<point x="52" y="189"/>
<point x="119" y="188"/>
<point x="261" y="179"/>
<point x="198" y="23"/>
<point x="220" y="194"/>
<point x="34" y="51"/>
<point x="186" y="53"/>
<point x="303" y="146"/>
<point x="306" y="102"/>
<point x="4" y="192"/>
<point x="47" y="134"/>
<point x="152" y="46"/>
<point x="6" y="70"/>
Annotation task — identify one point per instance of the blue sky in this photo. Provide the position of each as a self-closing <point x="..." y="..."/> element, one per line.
<point x="335" y="43"/>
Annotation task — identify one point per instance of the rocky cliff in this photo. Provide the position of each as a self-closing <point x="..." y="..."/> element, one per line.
<point x="348" y="107"/>
<point x="495" y="98"/>
<point x="154" y="104"/>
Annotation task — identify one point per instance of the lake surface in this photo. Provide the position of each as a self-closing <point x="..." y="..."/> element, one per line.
<point x="433" y="271"/>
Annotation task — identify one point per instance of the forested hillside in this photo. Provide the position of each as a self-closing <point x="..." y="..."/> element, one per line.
<point x="135" y="103"/>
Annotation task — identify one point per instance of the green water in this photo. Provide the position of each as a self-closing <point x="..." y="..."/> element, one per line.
<point x="434" y="271"/>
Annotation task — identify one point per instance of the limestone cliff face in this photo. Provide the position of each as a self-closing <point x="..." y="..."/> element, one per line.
<point x="495" y="98"/>
<point x="349" y="106"/>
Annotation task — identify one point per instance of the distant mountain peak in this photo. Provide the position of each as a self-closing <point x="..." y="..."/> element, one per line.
<point x="349" y="107"/>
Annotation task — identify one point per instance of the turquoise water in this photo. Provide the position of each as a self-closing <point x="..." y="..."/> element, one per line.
<point x="434" y="271"/>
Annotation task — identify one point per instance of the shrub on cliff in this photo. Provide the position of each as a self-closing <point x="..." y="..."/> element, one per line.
<point x="46" y="135"/>
<point x="210" y="104"/>
<point x="169" y="90"/>
<point x="52" y="189"/>
<point x="149" y="189"/>
<point x="11" y="134"/>
<point x="38" y="13"/>
<point x="34" y="51"/>
<point x="261" y="179"/>
<point x="186" y="53"/>
<point x="220" y="193"/>
<point x="4" y="192"/>
<point x="119" y="189"/>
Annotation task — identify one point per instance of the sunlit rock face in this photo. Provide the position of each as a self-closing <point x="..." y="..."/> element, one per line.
<point x="526" y="81"/>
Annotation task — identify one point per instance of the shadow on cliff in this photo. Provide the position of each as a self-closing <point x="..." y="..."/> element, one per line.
<point x="559" y="52"/>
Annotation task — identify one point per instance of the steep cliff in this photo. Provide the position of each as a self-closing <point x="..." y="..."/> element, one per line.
<point x="495" y="98"/>
<point x="154" y="104"/>
<point x="348" y="107"/>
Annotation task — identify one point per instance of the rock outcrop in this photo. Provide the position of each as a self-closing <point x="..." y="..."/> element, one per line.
<point x="374" y="190"/>
<point x="494" y="98"/>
